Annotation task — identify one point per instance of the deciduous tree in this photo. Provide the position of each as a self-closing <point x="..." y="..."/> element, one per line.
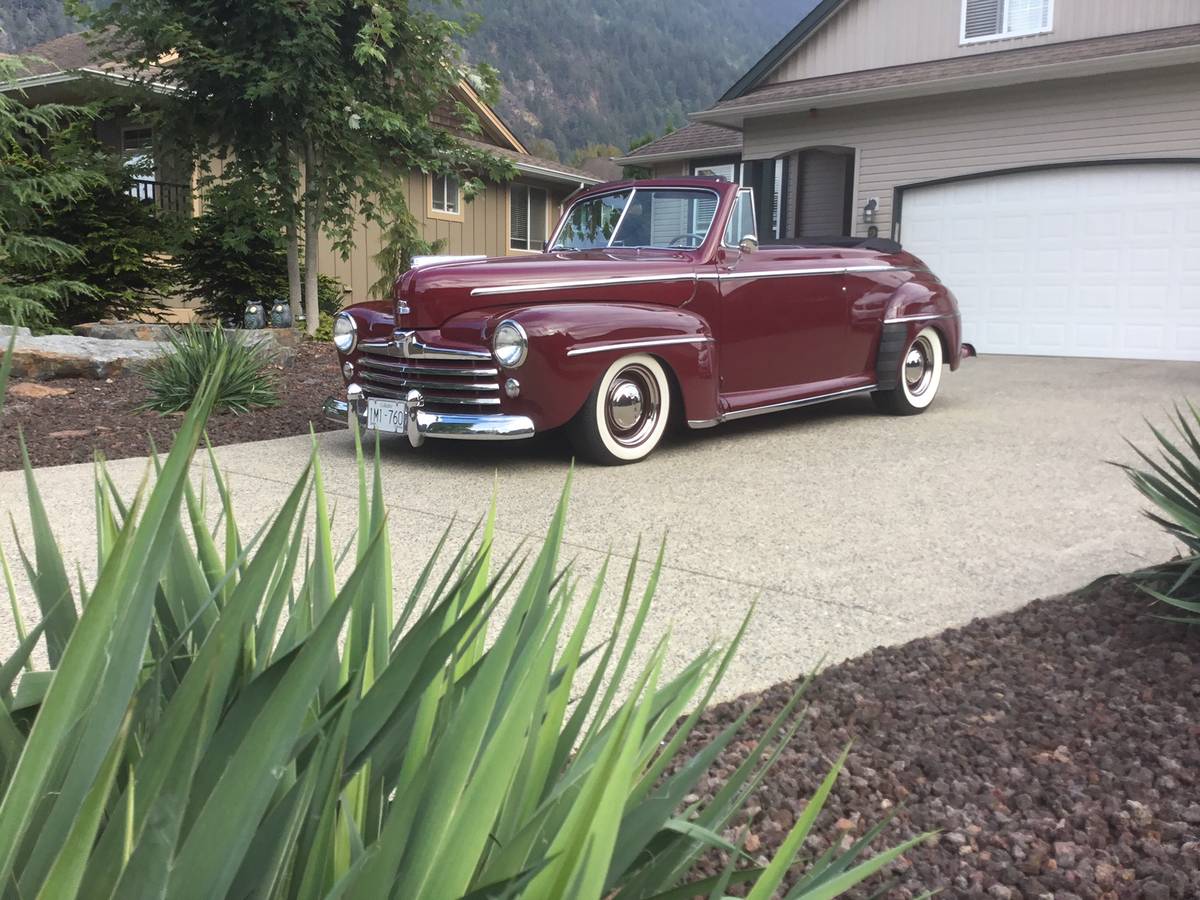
<point x="328" y="103"/>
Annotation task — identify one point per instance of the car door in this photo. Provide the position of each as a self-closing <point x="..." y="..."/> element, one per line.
<point x="784" y="318"/>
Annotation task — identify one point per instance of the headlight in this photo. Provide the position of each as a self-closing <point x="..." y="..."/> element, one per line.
<point x="509" y="344"/>
<point x="345" y="332"/>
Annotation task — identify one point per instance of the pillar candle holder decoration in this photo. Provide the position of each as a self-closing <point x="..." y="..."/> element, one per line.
<point x="255" y="316"/>
<point x="281" y="314"/>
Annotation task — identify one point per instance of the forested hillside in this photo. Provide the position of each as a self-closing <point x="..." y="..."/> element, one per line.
<point x="575" y="72"/>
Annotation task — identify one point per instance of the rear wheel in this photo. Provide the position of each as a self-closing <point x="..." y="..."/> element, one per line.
<point x="625" y="414"/>
<point x="920" y="377"/>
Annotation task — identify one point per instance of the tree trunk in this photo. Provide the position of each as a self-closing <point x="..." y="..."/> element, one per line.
<point x="312" y="234"/>
<point x="288" y="172"/>
<point x="295" y="298"/>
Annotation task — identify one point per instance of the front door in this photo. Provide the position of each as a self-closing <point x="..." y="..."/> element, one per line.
<point x="784" y="319"/>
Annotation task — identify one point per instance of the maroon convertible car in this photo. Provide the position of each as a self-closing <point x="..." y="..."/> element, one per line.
<point x="654" y="301"/>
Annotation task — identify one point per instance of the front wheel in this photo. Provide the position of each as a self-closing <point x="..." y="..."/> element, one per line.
<point x="919" y="378"/>
<point x="626" y="413"/>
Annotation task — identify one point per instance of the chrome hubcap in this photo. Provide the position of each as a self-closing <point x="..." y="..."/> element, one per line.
<point x="918" y="367"/>
<point x="631" y="407"/>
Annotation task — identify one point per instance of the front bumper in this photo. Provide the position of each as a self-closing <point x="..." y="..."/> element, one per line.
<point x="422" y="424"/>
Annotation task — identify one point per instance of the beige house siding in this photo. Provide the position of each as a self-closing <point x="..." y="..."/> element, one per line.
<point x="483" y="230"/>
<point x="671" y="169"/>
<point x="871" y="34"/>
<point x="1144" y="115"/>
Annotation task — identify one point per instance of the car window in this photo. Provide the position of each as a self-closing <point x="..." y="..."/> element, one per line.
<point x="665" y="218"/>
<point x="741" y="223"/>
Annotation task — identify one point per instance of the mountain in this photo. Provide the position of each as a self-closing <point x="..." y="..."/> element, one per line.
<point x="575" y="72"/>
<point x="578" y="72"/>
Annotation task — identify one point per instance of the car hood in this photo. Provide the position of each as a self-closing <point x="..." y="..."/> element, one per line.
<point x="435" y="293"/>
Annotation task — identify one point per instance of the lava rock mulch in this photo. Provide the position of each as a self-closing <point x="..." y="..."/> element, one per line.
<point x="103" y="415"/>
<point x="1057" y="748"/>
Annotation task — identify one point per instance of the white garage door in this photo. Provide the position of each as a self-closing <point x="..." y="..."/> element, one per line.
<point x="1088" y="261"/>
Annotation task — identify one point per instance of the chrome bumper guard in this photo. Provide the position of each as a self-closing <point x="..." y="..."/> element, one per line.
<point x="422" y="424"/>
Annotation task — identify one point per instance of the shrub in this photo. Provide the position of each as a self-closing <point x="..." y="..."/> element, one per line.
<point x="224" y="720"/>
<point x="1172" y="484"/>
<point x="236" y="252"/>
<point x="174" y="380"/>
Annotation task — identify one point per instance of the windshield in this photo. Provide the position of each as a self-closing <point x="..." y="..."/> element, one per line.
<point x="666" y="218"/>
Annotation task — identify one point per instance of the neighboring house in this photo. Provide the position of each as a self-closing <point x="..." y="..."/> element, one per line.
<point x="1042" y="155"/>
<point x="502" y="219"/>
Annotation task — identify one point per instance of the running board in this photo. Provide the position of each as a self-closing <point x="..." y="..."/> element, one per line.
<point x="780" y="407"/>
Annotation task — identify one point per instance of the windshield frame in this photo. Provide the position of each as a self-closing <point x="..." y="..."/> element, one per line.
<point x="553" y="247"/>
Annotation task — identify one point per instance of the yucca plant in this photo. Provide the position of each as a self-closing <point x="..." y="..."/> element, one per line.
<point x="174" y="379"/>
<point x="1172" y="484"/>
<point x="221" y="720"/>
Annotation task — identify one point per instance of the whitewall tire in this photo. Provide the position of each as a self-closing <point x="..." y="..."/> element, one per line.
<point x="920" y="376"/>
<point x="625" y="414"/>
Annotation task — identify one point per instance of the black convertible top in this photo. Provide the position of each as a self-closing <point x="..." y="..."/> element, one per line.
<point x="878" y="244"/>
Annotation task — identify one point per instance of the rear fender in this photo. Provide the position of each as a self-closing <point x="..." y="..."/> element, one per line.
<point x="913" y="306"/>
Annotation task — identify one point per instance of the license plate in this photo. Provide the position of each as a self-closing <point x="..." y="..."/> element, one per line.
<point x="387" y="415"/>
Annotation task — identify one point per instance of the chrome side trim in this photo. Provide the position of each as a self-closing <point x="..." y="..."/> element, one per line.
<point x="703" y="423"/>
<point x="530" y="287"/>
<point x="793" y="404"/>
<point x="780" y="273"/>
<point x="922" y="318"/>
<point x="645" y="342"/>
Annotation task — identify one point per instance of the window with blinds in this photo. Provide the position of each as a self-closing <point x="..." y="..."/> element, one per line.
<point x="527" y="217"/>
<point x="984" y="20"/>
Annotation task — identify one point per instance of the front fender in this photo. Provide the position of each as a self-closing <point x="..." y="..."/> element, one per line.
<point x="571" y="344"/>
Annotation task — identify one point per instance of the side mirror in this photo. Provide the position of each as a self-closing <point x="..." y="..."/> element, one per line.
<point x="748" y="243"/>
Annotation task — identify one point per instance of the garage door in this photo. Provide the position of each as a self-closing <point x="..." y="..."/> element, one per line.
<point x="1087" y="261"/>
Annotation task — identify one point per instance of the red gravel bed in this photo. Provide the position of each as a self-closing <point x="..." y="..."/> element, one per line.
<point x="1057" y="748"/>
<point x="99" y="415"/>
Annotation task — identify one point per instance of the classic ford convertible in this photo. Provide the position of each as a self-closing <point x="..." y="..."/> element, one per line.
<point x="654" y="302"/>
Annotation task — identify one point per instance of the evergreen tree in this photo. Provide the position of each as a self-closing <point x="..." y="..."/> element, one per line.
<point x="31" y="185"/>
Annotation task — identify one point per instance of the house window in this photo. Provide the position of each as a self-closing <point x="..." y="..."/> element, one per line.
<point x="444" y="195"/>
<point x="989" y="20"/>
<point x="527" y="217"/>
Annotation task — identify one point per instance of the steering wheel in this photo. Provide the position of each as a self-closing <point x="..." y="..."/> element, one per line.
<point x="687" y="241"/>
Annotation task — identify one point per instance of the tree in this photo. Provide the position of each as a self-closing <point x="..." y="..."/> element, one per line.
<point x="324" y="104"/>
<point x="30" y="185"/>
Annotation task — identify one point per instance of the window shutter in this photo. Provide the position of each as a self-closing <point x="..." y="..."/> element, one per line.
<point x="983" y="18"/>
<point x="518" y="217"/>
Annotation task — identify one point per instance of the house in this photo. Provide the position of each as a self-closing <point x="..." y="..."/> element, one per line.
<point x="503" y="219"/>
<point x="1043" y="156"/>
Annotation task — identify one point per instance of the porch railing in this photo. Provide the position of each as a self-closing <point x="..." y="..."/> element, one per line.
<point x="167" y="197"/>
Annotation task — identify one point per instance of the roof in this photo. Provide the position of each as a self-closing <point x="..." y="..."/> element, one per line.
<point x="71" y="51"/>
<point x="815" y="19"/>
<point x="1162" y="46"/>
<point x="538" y="167"/>
<point x="694" y="139"/>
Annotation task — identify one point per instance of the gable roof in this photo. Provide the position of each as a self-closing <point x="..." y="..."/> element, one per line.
<point x="1166" y="46"/>
<point x="694" y="139"/>
<point x="815" y="19"/>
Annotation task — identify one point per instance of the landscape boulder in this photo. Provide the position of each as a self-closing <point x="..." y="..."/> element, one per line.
<point x="64" y="356"/>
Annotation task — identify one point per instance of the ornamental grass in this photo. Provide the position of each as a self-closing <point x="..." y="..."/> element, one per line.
<point x="222" y="716"/>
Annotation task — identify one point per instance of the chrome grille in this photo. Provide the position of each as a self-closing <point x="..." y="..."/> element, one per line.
<point x="458" y="384"/>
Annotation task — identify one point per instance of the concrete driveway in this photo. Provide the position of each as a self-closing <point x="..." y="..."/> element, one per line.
<point x="851" y="528"/>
